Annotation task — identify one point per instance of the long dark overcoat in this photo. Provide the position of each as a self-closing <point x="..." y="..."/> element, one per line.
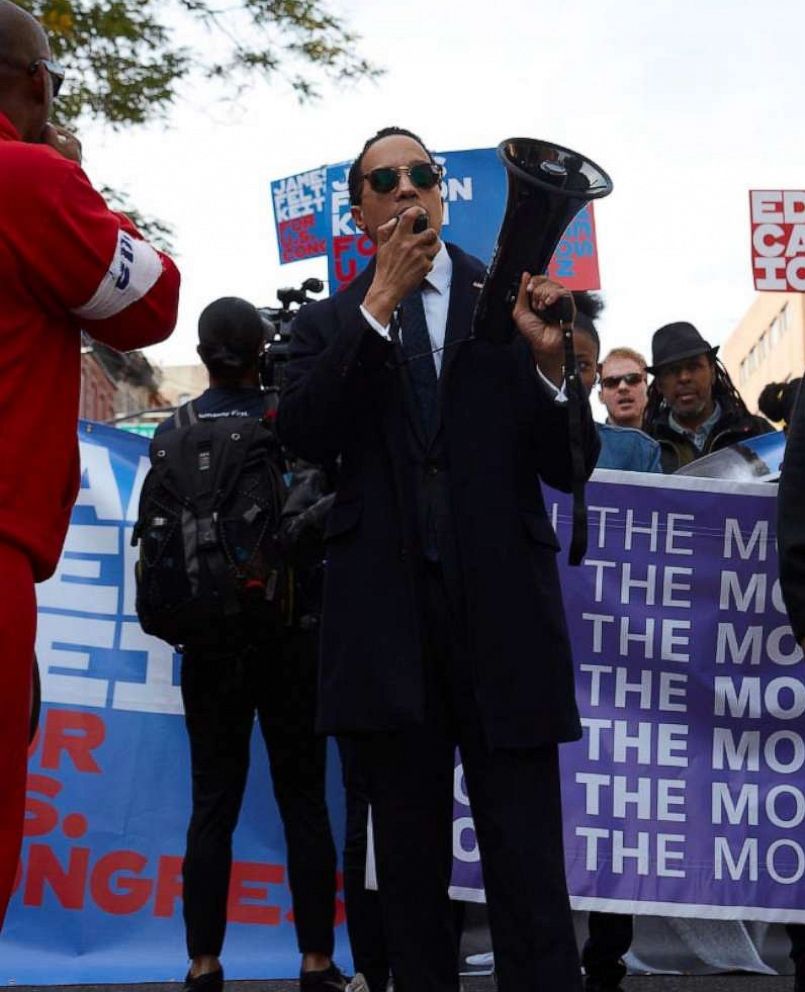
<point x="344" y="396"/>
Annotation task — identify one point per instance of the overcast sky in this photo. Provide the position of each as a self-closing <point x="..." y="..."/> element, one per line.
<point x="687" y="104"/>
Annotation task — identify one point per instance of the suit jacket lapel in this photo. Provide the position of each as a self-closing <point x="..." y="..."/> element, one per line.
<point x="397" y="380"/>
<point x="464" y="289"/>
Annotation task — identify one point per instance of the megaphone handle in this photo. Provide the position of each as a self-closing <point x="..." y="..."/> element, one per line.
<point x="575" y="397"/>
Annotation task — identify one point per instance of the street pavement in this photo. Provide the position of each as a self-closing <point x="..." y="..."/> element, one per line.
<point x="654" y="983"/>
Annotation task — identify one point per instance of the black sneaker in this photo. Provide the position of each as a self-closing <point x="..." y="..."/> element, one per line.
<point x="212" y="981"/>
<point x="330" y="979"/>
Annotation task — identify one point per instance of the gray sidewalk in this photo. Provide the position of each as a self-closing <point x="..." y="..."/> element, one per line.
<point x="655" y="983"/>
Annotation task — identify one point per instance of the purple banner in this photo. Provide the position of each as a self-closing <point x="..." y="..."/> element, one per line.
<point x="685" y="796"/>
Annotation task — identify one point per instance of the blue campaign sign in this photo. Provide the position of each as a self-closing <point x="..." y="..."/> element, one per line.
<point x="299" y="214"/>
<point x="312" y="212"/>
<point x="98" y="896"/>
<point x="474" y="195"/>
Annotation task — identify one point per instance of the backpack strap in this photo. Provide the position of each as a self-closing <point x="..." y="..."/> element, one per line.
<point x="186" y="415"/>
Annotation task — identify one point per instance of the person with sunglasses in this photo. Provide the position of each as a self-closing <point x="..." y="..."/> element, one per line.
<point x="67" y="264"/>
<point x="623" y="387"/>
<point x="623" y="448"/>
<point x="443" y="621"/>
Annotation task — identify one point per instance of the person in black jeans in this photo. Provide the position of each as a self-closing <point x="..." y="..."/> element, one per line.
<point x="223" y="687"/>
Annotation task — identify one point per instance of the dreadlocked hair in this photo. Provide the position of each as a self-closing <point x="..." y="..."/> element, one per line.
<point x="724" y="392"/>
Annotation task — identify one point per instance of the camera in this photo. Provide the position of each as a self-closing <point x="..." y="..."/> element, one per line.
<point x="277" y="329"/>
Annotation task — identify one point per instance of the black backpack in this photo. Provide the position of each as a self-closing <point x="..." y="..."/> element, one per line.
<point x="210" y="573"/>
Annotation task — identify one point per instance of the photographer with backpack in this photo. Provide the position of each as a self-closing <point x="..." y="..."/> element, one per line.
<point x="211" y="509"/>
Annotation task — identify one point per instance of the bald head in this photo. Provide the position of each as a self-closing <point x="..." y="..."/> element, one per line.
<point x="22" y="37"/>
<point x="25" y="97"/>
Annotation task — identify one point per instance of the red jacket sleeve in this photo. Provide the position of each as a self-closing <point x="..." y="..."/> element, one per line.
<point x="82" y="257"/>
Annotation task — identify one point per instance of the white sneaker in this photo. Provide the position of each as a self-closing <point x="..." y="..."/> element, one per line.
<point x="358" y="984"/>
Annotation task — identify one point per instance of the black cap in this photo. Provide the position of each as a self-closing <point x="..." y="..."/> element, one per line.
<point x="230" y="333"/>
<point x="675" y="342"/>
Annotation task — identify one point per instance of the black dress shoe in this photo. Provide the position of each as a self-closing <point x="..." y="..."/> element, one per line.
<point x="593" y="985"/>
<point x="211" y="981"/>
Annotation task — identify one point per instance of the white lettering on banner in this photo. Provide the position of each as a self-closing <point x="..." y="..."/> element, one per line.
<point x="746" y="806"/>
<point x="464" y="829"/>
<point x="65" y="590"/>
<point x="756" y="587"/>
<point x="778" y="206"/>
<point x="745" y="701"/>
<point x="723" y="804"/>
<point x="673" y="635"/>
<point x="460" y="786"/>
<point x="780" y="646"/>
<point x="88" y="606"/>
<point x="655" y="690"/>
<point x="759" y="538"/>
<point x="771" y="241"/>
<point x="618" y="851"/>
<point x="745" y="864"/>
<point x="300" y="196"/>
<point x="651" y="799"/>
<point x="157" y="694"/>
<point x="633" y="529"/>
<point x="98" y="484"/>
<point x="745" y="752"/>
<point x="603" y="512"/>
<point x="615" y="528"/>
<point x="53" y="632"/>
<point x="647" y="582"/>
<point x="661" y="744"/>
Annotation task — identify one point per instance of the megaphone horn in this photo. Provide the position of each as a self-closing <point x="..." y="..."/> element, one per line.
<point x="547" y="186"/>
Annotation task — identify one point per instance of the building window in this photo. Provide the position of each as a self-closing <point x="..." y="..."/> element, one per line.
<point x="774" y="333"/>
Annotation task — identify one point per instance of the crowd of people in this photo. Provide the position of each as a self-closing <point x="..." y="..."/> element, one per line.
<point x="440" y="620"/>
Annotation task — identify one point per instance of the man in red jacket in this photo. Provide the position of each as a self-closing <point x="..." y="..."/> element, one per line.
<point x="67" y="263"/>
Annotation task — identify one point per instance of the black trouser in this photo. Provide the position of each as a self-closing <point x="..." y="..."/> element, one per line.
<point x="796" y="934"/>
<point x="517" y="809"/>
<point x="222" y="692"/>
<point x="610" y="938"/>
<point x="364" y="916"/>
<point x="364" y="921"/>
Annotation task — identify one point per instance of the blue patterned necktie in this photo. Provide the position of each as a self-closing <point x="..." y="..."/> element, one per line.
<point x="417" y="348"/>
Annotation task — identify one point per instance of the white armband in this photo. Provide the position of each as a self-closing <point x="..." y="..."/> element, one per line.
<point x="133" y="270"/>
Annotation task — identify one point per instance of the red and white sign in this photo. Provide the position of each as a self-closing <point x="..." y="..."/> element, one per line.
<point x="778" y="239"/>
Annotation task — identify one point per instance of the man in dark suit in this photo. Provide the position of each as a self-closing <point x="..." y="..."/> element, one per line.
<point x="443" y="621"/>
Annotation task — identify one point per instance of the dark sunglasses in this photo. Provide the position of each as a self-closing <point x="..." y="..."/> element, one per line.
<point x="53" y="69"/>
<point x="631" y="379"/>
<point x="423" y="175"/>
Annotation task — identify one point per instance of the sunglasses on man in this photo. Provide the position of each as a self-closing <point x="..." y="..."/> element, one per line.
<point x="630" y="378"/>
<point x="53" y="69"/>
<point x="384" y="179"/>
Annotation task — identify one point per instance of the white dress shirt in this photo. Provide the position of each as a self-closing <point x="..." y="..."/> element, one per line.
<point x="435" y="301"/>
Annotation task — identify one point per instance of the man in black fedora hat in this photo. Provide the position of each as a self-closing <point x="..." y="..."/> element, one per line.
<point x="693" y="407"/>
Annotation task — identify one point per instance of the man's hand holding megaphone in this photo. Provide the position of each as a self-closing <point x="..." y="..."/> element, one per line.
<point x="537" y="310"/>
